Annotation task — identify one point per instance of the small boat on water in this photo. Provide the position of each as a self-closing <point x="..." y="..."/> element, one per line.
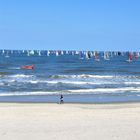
<point x="27" y="67"/>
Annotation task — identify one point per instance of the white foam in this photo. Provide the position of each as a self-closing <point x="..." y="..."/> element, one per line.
<point x="84" y="76"/>
<point x="21" y="76"/>
<point x="33" y="82"/>
<point x="70" y="92"/>
<point x="11" y="81"/>
<point x="130" y="83"/>
<point x="1" y="84"/>
<point x="97" y="76"/>
<point x="73" y="82"/>
<point x="78" y="82"/>
<point x="105" y="90"/>
<point x="64" y="82"/>
<point x="28" y="93"/>
<point x="14" y="68"/>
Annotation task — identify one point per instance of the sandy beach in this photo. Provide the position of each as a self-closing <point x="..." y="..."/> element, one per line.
<point x="69" y="121"/>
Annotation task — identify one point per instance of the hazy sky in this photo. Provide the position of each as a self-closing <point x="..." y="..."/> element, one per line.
<point x="70" y="24"/>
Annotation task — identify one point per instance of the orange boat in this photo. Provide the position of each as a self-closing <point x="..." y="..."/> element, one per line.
<point x="28" y="67"/>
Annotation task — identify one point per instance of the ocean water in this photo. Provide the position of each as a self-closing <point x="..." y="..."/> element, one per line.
<point x="78" y="80"/>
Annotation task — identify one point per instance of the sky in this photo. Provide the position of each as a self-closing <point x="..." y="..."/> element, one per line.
<point x="102" y="25"/>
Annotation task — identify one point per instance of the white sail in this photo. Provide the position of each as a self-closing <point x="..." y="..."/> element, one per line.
<point x="48" y="53"/>
<point x="91" y="53"/>
<point x="3" y="51"/>
<point x="77" y="52"/>
<point x="94" y="53"/>
<point x="106" y="56"/>
<point x="86" y="54"/>
<point x="39" y="53"/>
<point x="28" y="53"/>
<point x="32" y="52"/>
<point x="62" y="53"/>
<point x="56" y="53"/>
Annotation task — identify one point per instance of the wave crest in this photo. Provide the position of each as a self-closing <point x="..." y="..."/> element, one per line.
<point x="81" y="76"/>
<point x="21" y="76"/>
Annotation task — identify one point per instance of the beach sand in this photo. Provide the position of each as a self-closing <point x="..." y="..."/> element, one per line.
<point x="69" y="121"/>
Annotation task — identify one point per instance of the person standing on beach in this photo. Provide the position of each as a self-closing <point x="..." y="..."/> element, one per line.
<point x="61" y="99"/>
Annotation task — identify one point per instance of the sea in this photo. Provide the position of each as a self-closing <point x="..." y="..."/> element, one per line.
<point x="77" y="78"/>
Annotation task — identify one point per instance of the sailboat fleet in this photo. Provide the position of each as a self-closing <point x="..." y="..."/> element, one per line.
<point x="96" y="56"/>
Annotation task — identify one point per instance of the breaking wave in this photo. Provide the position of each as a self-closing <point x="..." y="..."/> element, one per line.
<point x="74" y="92"/>
<point x="105" y="90"/>
<point x="21" y="76"/>
<point x="93" y="76"/>
<point x="80" y="76"/>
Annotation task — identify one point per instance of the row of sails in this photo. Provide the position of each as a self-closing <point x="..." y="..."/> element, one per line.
<point x="82" y="54"/>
